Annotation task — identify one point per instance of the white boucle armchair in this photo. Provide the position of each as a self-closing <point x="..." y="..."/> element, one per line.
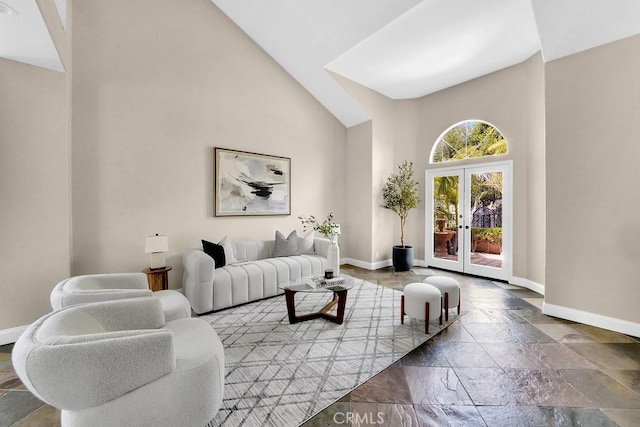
<point x="117" y="363"/>
<point x="113" y="286"/>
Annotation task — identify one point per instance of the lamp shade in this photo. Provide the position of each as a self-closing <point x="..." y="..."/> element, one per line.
<point x="156" y="244"/>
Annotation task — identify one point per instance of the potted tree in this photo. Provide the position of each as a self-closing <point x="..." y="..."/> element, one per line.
<point x="400" y="194"/>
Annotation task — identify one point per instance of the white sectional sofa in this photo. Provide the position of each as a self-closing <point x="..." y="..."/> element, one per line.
<point x="254" y="276"/>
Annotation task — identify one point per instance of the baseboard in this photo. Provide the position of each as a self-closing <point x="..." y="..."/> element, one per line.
<point x="377" y="265"/>
<point x="366" y="265"/>
<point x="11" y="335"/>
<point x="593" y="319"/>
<point x="526" y="283"/>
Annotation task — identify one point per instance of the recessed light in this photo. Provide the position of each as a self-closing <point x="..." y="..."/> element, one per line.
<point x="5" y="9"/>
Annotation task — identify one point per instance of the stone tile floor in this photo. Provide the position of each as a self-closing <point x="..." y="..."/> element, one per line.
<point x="504" y="363"/>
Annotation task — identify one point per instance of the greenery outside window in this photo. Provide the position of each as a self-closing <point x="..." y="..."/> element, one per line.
<point x="468" y="139"/>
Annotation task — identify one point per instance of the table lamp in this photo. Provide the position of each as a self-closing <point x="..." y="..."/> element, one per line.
<point x="157" y="246"/>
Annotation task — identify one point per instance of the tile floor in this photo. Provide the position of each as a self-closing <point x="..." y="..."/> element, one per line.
<point x="504" y="363"/>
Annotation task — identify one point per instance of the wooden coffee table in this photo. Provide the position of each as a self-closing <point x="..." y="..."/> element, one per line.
<point x="338" y="287"/>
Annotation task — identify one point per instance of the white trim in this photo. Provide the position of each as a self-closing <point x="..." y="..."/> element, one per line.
<point x="448" y="168"/>
<point x="419" y="263"/>
<point x="445" y="264"/>
<point x="11" y="335"/>
<point x="593" y="319"/>
<point x="366" y="265"/>
<point x="377" y="265"/>
<point x="463" y="264"/>
<point x="529" y="284"/>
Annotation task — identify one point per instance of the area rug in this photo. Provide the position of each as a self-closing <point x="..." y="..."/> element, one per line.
<point x="280" y="374"/>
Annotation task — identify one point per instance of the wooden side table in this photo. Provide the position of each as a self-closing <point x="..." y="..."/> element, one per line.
<point x="157" y="278"/>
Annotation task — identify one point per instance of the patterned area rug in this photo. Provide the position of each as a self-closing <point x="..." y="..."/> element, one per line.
<point x="280" y="374"/>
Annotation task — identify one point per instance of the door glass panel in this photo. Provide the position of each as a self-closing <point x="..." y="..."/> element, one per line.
<point x="445" y="217"/>
<point x="486" y="219"/>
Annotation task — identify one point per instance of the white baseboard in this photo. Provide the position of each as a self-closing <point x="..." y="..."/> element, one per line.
<point x="593" y="319"/>
<point x="11" y="335"/>
<point x="529" y="284"/>
<point x="419" y="263"/>
<point x="377" y="265"/>
<point x="366" y="265"/>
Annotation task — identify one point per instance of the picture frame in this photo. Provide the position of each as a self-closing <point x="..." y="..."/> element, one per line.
<point x="249" y="184"/>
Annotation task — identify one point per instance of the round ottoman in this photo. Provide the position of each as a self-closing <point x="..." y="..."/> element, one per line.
<point x="421" y="301"/>
<point x="174" y="304"/>
<point x="450" y="289"/>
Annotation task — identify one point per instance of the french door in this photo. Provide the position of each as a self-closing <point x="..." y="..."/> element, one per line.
<point x="468" y="219"/>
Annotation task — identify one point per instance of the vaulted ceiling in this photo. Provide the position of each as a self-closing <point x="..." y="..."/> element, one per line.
<point x="400" y="48"/>
<point x="24" y="36"/>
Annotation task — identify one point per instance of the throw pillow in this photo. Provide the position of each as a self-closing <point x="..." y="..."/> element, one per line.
<point x="305" y="244"/>
<point x="228" y="250"/>
<point x="216" y="252"/>
<point x="288" y="246"/>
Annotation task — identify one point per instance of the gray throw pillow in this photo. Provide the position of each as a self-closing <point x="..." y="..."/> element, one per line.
<point x="229" y="254"/>
<point x="288" y="246"/>
<point x="305" y="244"/>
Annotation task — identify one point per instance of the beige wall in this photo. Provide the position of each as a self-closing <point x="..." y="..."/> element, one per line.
<point x="152" y="97"/>
<point x="34" y="190"/>
<point x="379" y="156"/>
<point x="592" y="116"/>
<point x="158" y="84"/>
<point x="356" y="241"/>
<point x="502" y="99"/>
<point x="535" y="215"/>
<point x="512" y="100"/>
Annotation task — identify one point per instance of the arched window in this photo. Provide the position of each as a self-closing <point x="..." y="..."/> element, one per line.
<point x="468" y="139"/>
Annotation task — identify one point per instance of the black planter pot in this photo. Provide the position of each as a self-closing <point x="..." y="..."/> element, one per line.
<point x="402" y="258"/>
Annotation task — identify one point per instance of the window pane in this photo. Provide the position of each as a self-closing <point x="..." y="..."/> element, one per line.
<point x="469" y="139"/>
<point x="486" y="219"/>
<point x="445" y="217"/>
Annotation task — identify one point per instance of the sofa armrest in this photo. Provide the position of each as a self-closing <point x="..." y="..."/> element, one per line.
<point x="127" y="314"/>
<point x="321" y="246"/>
<point x="98" y="287"/>
<point x="60" y="300"/>
<point x="79" y="372"/>
<point x="106" y="281"/>
<point x="197" y="279"/>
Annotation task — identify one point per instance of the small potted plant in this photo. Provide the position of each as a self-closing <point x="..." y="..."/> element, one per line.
<point x="330" y="230"/>
<point x="400" y="194"/>
<point x="327" y="228"/>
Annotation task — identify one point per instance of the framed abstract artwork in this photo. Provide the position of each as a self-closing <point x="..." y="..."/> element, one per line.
<point x="251" y="183"/>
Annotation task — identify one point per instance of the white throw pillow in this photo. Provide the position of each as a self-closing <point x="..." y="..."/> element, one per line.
<point x="305" y="244"/>
<point x="228" y="250"/>
<point x="288" y="246"/>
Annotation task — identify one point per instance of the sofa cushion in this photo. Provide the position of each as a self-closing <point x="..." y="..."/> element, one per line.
<point x="216" y="252"/>
<point x="253" y="251"/>
<point x="305" y="244"/>
<point x="228" y="250"/>
<point x="288" y="246"/>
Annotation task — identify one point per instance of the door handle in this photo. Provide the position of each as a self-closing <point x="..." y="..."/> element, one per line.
<point x="466" y="227"/>
<point x="460" y="227"/>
